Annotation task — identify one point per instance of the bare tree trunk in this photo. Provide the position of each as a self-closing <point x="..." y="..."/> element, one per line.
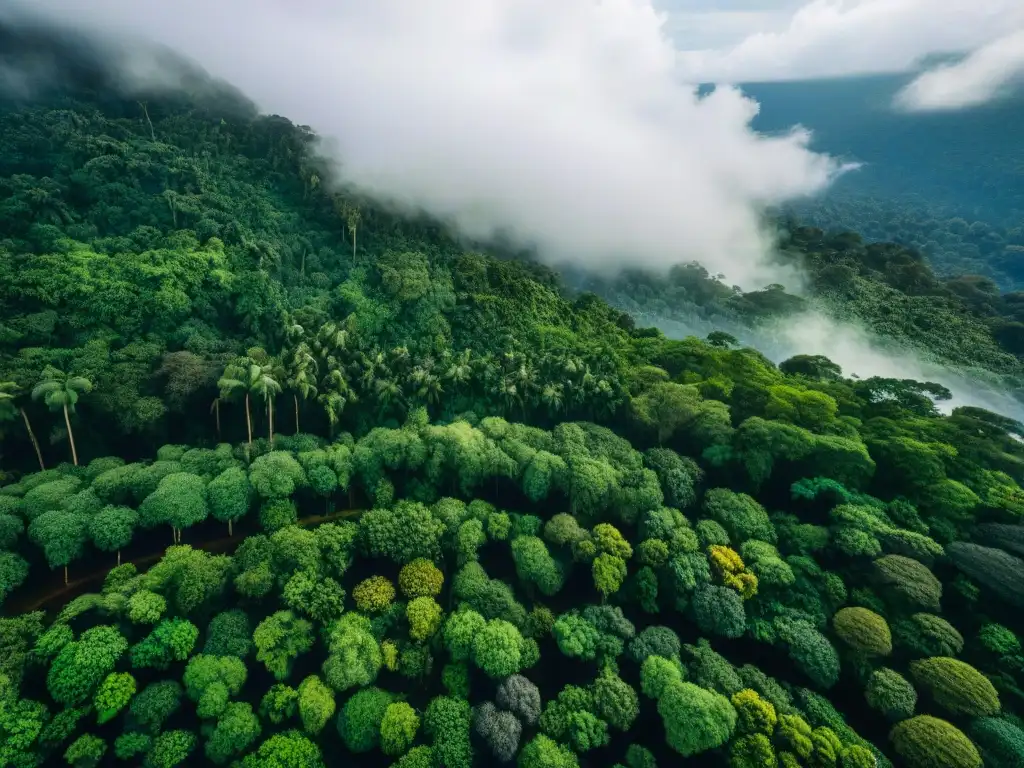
<point x="296" y="398"/>
<point x="71" y="436"/>
<point x="152" y="133"/>
<point x="248" y="419"/>
<point x="216" y="410"/>
<point x="231" y="531"/>
<point x="353" y="246"/>
<point x="32" y="437"/>
<point x="119" y="557"/>
<point x="65" y="575"/>
<point x="270" y="419"/>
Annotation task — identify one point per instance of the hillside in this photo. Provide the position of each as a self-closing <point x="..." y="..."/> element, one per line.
<point x="948" y="184"/>
<point x="428" y="506"/>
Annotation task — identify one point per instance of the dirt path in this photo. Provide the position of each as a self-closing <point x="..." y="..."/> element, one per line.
<point x="67" y="592"/>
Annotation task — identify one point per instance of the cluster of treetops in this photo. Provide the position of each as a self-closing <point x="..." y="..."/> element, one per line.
<point x="612" y="618"/>
<point x="580" y="533"/>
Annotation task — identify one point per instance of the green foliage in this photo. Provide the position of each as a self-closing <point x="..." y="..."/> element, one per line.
<point x="1000" y="741"/>
<point x="542" y="752"/>
<point x="864" y="631"/>
<point x="279" y="703"/>
<point x="170" y="641"/>
<point x="956" y="686"/>
<point x="374" y="594"/>
<point x="229" y="634"/>
<point x="155" y="704"/>
<point x="424" y="616"/>
<point x="113" y="695"/>
<point x="210" y="680"/>
<point x="82" y="665"/>
<point x="360" y="719"/>
<point x="498" y="649"/>
<point x="285" y="750"/>
<point x="925" y="634"/>
<point x="398" y="728"/>
<point x="447" y="722"/>
<point x="891" y="694"/>
<point x="86" y="751"/>
<point x="695" y="719"/>
<point x="928" y="742"/>
<point x="316" y="704"/>
<point x="235" y="731"/>
<point x="280" y="639"/>
<point x="420" y="578"/>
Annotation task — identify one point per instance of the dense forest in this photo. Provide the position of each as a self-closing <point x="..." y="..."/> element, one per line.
<point x="948" y="184"/>
<point x="291" y="479"/>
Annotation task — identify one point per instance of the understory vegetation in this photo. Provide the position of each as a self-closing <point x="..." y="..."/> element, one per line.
<point x="415" y="503"/>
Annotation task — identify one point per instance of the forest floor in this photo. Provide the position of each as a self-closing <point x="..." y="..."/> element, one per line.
<point x="45" y="596"/>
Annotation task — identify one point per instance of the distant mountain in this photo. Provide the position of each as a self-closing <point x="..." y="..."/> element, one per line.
<point x="949" y="183"/>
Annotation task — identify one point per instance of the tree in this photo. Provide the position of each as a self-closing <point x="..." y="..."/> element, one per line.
<point x="279" y="703"/>
<point x="863" y="630"/>
<point x="521" y="697"/>
<point x="420" y="578"/>
<point x="535" y="566"/>
<point x="13" y="572"/>
<point x="170" y="748"/>
<point x="9" y="394"/>
<point x="280" y="639"/>
<point x="615" y="701"/>
<point x="956" y="686"/>
<point x="82" y="665"/>
<point x="229" y="634"/>
<point x="155" y="704"/>
<point x="112" y="529"/>
<point x="229" y="496"/>
<point x="447" y="721"/>
<point x="285" y="750"/>
<point x="497" y="648"/>
<point x="62" y="535"/>
<point x="398" y="728"/>
<point x="170" y="641"/>
<point x="542" y="752"/>
<point x="86" y="751"/>
<point x="179" y="501"/>
<point x="695" y="719"/>
<point x="211" y="680"/>
<point x="355" y="655"/>
<point x="236" y="730"/>
<point x="373" y="595"/>
<point x="316" y="704"/>
<point x="60" y="391"/>
<point x="248" y="378"/>
<point x="928" y="742"/>
<point x="891" y="694"/>
<point x="499" y="730"/>
<point x="424" y="616"/>
<point x="360" y="719"/>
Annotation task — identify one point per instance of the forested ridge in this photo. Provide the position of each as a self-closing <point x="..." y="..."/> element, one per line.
<point x="558" y="539"/>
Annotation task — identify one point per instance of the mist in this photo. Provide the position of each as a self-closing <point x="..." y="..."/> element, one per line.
<point x="563" y="124"/>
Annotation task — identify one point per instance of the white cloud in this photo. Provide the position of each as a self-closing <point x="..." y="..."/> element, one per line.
<point x="826" y="38"/>
<point x="564" y="122"/>
<point x="979" y="78"/>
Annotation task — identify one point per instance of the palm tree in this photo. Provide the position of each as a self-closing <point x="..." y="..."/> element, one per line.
<point x="9" y="393"/>
<point x="250" y="378"/>
<point x="237" y="378"/>
<point x="60" y="391"/>
<point x="302" y="377"/>
<point x="265" y="385"/>
<point x="215" y="409"/>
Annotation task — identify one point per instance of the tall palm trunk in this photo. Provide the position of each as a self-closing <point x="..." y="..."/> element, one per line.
<point x="71" y="437"/>
<point x="248" y="418"/>
<point x="216" y="411"/>
<point x="119" y="557"/>
<point x="231" y="531"/>
<point x="296" y="399"/>
<point x="32" y="437"/>
<point x="270" y="419"/>
<point x="65" y="575"/>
